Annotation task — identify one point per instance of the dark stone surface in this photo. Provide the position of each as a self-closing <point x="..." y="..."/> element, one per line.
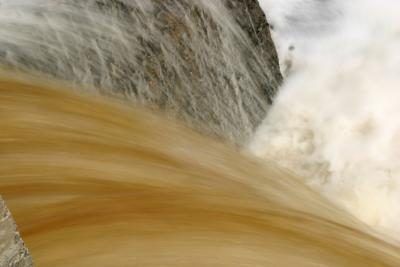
<point x="252" y="20"/>
<point x="209" y="63"/>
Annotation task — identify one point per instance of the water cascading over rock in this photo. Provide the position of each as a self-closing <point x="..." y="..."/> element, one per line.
<point x="210" y="63"/>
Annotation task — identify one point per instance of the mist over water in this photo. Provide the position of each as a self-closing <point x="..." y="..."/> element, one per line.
<point x="336" y="119"/>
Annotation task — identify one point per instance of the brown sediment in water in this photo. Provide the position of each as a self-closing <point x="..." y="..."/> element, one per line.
<point x="92" y="182"/>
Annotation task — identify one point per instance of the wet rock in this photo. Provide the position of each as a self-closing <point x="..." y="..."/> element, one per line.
<point x="209" y="63"/>
<point x="13" y="252"/>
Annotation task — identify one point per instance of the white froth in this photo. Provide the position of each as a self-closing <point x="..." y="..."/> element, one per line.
<point x="336" y="120"/>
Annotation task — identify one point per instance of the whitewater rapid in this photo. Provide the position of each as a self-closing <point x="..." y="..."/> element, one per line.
<point x="336" y="120"/>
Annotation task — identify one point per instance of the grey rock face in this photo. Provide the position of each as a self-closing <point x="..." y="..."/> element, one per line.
<point x="210" y="63"/>
<point x="13" y="252"/>
<point x="252" y="20"/>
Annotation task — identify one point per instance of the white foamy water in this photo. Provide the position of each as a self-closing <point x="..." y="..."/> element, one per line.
<point x="336" y="120"/>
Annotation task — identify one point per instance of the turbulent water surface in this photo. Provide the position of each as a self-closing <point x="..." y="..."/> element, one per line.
<point x="93" y="181"/>
<point x="336" y="119"/>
